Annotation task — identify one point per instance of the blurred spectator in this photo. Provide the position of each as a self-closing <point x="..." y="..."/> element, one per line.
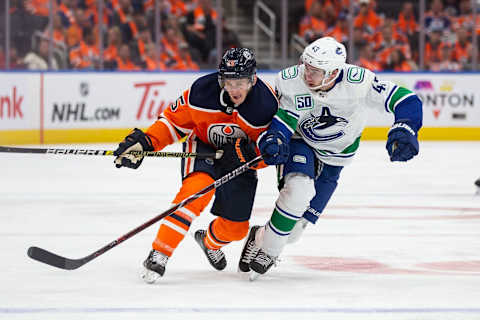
<point x="123" y="18"/>
<point x="433" y="47"/>
<point x="66" y="11"/>
<point x="150" y="60"/>
<point x="110" y="54"/>
<point x="340" y="31"/>
<point x="58" y="31"/>
<point x="367" y="58"/>
<point x="446" y="63"/>
<point x="465" y="18"/>
<point x="387" y="41"/>
<point x="398" y="62"/>
<point x="462" y="51"/>
<point x="38" y="59"/>
<point x="144" y="39"/>
<point x="359" y="41"/>
<point x="406" y="22"/>
<point x="22" y="26"/>
<point x="200" y="28"/>
<point x="123" y="61"/>
<point x="170" y="44"/>
<point x="452" y="8"/>
<point x="38" y="7"/>
<point x="184" y="61"/>
<point x="313" y="26"/>
<point x="436" y="17"/>
<point x="86" y="55"/>
<point x="367" y="19"/>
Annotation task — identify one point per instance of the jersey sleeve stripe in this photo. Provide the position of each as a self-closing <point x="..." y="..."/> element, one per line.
<point x="171" y="129"/>
<point x="399" y="101"/>
<point x="293" y="114"/>
<point x="287" y="120"/>
<point x="388" y="98"/>
<point x="399" y="95"/>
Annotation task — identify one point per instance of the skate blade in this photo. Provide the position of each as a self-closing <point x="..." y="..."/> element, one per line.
<point x="149" y="276"/>
<point x="253" y="275"/>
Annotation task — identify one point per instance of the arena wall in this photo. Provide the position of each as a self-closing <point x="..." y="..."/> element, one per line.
<point x="88" y="107"/>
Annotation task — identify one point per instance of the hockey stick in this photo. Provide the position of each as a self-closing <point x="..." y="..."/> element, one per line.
<point x="90" y="152"/>
<point x="55" y="260"/>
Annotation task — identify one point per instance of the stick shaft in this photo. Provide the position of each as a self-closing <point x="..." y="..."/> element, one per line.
<point x="94" y="152"/>
<point x="55" y="260"/>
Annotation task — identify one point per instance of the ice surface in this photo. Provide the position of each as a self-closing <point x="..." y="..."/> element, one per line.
<point x="397" y="241"/>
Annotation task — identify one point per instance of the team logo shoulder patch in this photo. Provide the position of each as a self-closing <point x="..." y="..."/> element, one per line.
<point x="304" y="101"/>
<point x="355" y="74"/>
<point x="290" y="73"/>
<point x="299" y="159"/>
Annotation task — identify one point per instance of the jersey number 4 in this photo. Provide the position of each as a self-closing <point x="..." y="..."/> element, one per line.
<point x="377" y="86"/>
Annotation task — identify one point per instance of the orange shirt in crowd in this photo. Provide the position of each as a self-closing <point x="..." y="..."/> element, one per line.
<point x="110" y="53"/>
<point x="310" y="26"/>
<point x="406" y="26"/>
<point x="199" y="18"/>
<point x="369" y="64"/>
<point x="126" y="65"/>
<point x="461" y="53"/>
<point x="83" y="56"/>
<point x="38" y="7"/>
<point x="371" y="21"/>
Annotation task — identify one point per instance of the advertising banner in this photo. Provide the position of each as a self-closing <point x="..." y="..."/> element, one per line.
<point x="63" y="107"/>
<point x="19" y="101"/>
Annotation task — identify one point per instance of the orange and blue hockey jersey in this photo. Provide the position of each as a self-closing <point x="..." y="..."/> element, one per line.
<point x="206" y="111"/>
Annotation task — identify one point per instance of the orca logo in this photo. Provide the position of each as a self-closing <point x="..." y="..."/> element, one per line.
<point x="324" y="127"/>
<point x="339" y="51"/>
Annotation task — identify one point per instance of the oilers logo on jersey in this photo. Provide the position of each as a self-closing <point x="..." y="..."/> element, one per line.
<point x="221" y="133"/>
<point x="322" y="128"/>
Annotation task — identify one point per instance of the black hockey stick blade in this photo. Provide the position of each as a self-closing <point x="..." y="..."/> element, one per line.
<point x="54" y="260"/>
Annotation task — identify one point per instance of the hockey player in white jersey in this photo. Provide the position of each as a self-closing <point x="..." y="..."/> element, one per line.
<point x="315" y="133"/>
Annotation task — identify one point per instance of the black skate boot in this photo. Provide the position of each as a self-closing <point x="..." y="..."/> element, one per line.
<point x="261" y="264"/>
<point x="154" y="266"/>
<point x="477" y="183"/>
<point x="215" y="257"/>
<point x="250" y="250"/>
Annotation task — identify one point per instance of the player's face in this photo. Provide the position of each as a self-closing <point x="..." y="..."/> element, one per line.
<point x="237" y="89"/>
<point x="314" y="77"/>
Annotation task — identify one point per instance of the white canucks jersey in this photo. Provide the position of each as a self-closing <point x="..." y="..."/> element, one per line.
<point x="332" y="122"/>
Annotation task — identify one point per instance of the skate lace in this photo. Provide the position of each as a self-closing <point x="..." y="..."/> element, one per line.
<point x="215" y="255"/>
<point x="250" y="252"/>
<point x="265" y="260"/>
<point x="159" y="258"/>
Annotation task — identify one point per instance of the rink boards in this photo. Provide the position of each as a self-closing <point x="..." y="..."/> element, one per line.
<point x="86" y="107"/>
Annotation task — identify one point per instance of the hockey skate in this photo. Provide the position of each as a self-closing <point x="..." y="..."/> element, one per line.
<point x="250" y="250"/>
<point x="215" y="257"/>
<point x="261" y="264"/>
<point x="477" y="183"/>
<point x="154" y="266"/>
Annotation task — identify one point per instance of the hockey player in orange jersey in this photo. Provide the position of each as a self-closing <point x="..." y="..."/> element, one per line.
<point x="227" y="110"/>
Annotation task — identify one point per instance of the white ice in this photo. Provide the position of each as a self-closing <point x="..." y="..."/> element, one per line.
<point x="397" y="241"/>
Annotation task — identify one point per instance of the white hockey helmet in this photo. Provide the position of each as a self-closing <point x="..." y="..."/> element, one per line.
<point x="326" y="54"/>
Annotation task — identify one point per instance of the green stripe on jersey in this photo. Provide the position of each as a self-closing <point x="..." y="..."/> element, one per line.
<point x="287" y="119"/>
<point x="281" y="222"/>
<point x="353" y="147"/>
<point x="399" y="94"/>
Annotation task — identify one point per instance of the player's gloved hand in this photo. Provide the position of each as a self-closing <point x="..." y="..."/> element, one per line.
<point x="274" y="148"/>
<point x="402" y="143"/>
<point x="135" y="141"/>
<point x="236" y="154"/>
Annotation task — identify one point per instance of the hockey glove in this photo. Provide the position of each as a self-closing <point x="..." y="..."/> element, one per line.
<point x="237" y="153"/>
<point x="402" y="143"/>
<point x="274" y="148"/>
<point x="135" y="141"/>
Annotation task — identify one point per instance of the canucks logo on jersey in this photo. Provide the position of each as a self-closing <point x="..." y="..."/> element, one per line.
<point x="322" y="128"/>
